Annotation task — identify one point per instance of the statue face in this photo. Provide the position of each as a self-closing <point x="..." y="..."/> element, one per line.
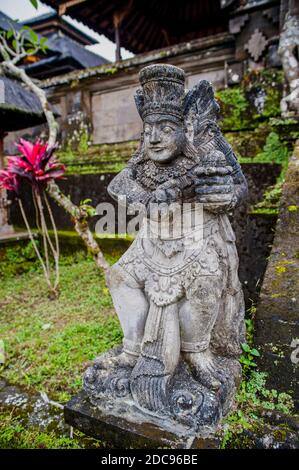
<point x="163" y="138"/>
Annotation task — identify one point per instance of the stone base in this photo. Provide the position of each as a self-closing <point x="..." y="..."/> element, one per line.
<point x="6" y="230"/>
<point x="10" y="235"/>
<point x="128" y="427"/>
<point x="188" y="415"/>
<point x="179" y="401"/>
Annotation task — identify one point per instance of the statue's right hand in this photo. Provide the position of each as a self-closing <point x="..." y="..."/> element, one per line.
<point x="167" y="195"/>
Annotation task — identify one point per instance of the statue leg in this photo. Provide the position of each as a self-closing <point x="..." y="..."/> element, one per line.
<point x="131" y="307"/>
<point x="198" y="313"/>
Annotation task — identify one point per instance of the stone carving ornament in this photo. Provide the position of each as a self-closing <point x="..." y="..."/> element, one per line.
<point x="178" y="297"/>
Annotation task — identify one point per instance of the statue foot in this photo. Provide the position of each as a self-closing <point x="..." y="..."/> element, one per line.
<point x="233" y="368"/>
<point x="123" y="359"/>
<point x="205" y="369"/>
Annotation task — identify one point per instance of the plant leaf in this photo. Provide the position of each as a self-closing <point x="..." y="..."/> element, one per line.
<point x="34" y="3"/>
<point x="245" y="347"/>
<point x="255" y="352"/>
<point x="33" y="36"/>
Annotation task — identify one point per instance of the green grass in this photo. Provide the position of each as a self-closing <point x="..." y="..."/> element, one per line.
<point x="48" y="343"/>
<point x="15" y="434"/>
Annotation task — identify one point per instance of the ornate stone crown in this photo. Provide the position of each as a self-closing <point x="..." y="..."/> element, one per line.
<point x="163" y="91"/>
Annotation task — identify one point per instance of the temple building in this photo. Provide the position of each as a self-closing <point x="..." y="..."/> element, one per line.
<point x="66" y="50"/>
<point x="214" y="40"/>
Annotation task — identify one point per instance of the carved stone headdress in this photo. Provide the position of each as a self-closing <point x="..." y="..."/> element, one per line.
<point x="163" y="91"/>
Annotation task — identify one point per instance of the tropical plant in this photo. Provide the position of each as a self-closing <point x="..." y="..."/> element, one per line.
<point x="37" y="166"/>
<point x="15" y="46"/>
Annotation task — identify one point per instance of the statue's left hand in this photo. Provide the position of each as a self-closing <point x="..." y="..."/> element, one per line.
<point x="217" y="191"/>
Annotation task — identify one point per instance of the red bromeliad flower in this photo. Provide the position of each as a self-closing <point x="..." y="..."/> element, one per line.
<point x="37" y="165"/>
<point x="9" y="181"/>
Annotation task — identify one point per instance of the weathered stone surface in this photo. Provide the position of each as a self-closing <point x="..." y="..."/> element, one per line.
<point x="121" y="423"/>
<point x="277" y="321"/>
<point x="34" y="410"/>
<point x="189" y="404"/>
<point x="121" y="121"/>
<point x="130" y="430"/>
<point x="288" y="47"/>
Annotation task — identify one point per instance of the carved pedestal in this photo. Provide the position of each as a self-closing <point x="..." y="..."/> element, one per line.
<point x="106" y="410"/>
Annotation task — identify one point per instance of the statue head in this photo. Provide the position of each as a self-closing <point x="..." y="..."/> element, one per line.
<point x="175" y="121"/>
<point x="160" y="105"/>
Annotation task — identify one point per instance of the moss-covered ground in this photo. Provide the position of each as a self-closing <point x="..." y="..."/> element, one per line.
<point x="48" y="343"/>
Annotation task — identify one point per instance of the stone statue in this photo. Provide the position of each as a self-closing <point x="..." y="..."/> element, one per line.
<point x="288" y="50"/>
<point x="177" y="296"/>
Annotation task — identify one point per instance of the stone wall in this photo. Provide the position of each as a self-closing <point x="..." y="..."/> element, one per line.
<point x="277" y="318"/>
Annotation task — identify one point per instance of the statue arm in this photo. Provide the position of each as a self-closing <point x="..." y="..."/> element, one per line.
<point x="125" y="185"/>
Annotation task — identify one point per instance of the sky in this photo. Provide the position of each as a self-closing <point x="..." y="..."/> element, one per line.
<point x="23" y="10"/>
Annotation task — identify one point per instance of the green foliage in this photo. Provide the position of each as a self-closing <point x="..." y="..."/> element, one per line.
<point x="87" y="208"/>
<point x="84" y="141"/>
<point x="270" y="202"/>
<point x="111" y="70"/>
<point x="48" y="341"/>
<point x="233" y="105"/>
<point x="16" y="259"/>
<point x="272" y="103"/>
<point x="274" y="150"/>
<point x="85" y="168"/>
<point x="23" y="41"/>
<point x="255" y="394"/>
<point x="20" y="257"/>
<point x="34" y="3"/>
<point x="252" y="397"/>
<point x="255" y="100"/>
<point x="247" y="359"/>
<point x="16" y="434"/>
<point x="249" y="355"/>
<point x="96" y="159"/>
<point x="292" y="208"/>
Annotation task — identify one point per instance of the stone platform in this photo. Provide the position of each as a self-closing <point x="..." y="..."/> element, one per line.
<point x="188" y="416"/>
<point x="128" y="427"/>
<point x="6" y="236"/>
